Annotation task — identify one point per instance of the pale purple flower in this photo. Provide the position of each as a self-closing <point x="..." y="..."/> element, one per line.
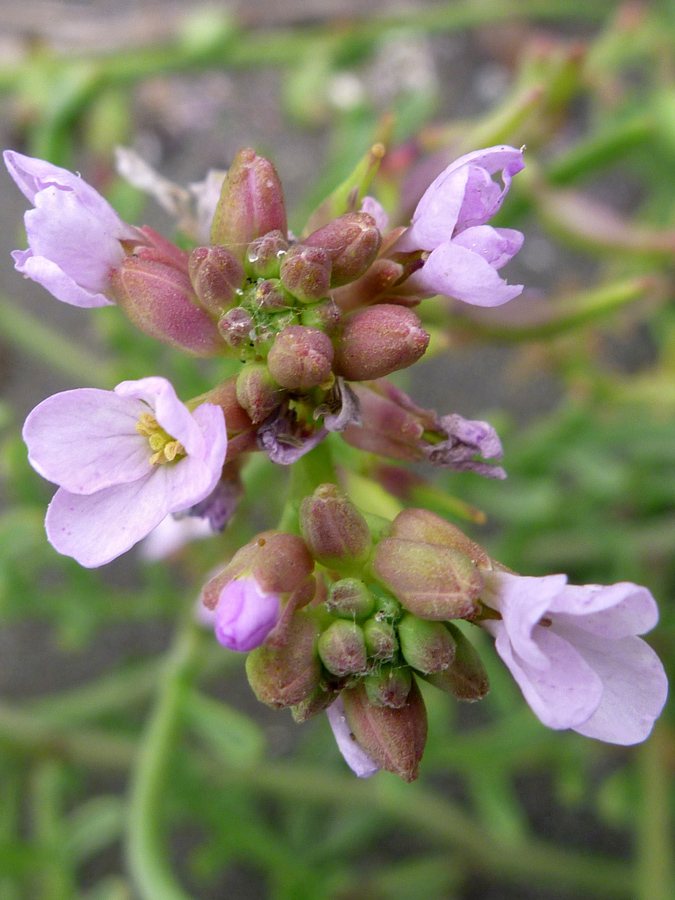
<point x="245" y="614"/>
<point x="575" y="654"/>
<point x="124" y="460"/>
<point x="461" y="253"/>
<point x="74" y="235"/>
<point x="356" y="758"/>
<point x="376" y="210"/>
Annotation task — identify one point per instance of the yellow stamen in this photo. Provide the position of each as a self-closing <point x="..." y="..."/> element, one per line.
<point x="166" y="448"/>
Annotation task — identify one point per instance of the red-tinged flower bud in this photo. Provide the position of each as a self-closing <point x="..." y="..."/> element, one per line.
<point x="380" y="637"/>
<point x="257" y="392"/>
<point x="349" y="598"/>
<point x="236" y="326"/>
<point x="388" y="686"/>
<point x="305" y="273"/>
<point x="160" y="302"/>
<point x="301" y="358"/>
<point x="325" y="316"/>
<point x="393" y="738"/>
<point x="373" y="284"/>
<point x="426" y="646"/>
<point x="431" y="581"/>
<point x="466" y="678"/>
<point x="426" y="527"/>
<point x="378" y="340"/>
<point x="269" y="295"/>
<point x="217" y="275"/>
<point x="282" y="563"/>
<point x="342" y="648"/>
<point x="352" y="242"/>
<point x="224" y="395"/>
<point x="264" y="255"/>
<point x="159" y="249"/>
<point x="318" y="701"/>
<point x="334" y="530"/>
<point x="251" y="203"/>
<point x="288" y="675"/>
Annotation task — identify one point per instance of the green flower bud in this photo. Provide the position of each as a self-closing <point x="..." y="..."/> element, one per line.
<point x="388" y="686"/>
<point x="342" y="648"/>
<point x="381" y="640"/>
<point x="426" y="646"/>
<point x="431" y="581"/>
<point x="334" y="530"/>
<point x="257" y="392"/>
<point x="288" y="675"/>
<point x="349" y="598"/>
<point x="466" y="677"/>
<point x="264" y="255"/>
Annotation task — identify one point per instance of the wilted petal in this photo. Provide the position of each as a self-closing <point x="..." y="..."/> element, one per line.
<point x="357" y="760"/>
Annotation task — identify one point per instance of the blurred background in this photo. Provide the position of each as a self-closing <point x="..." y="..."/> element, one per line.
<point x="105" y="792"/>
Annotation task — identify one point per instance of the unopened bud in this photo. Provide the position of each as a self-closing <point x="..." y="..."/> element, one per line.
<point x="376" y="281"/>
<point x="236" y="327"/>
<point x="160" y="302"/>
<point x="394" y="739"/>
<point x="318" y="701"/>
<point x="466" y="678"/>
<point x="325" y="316"/>
<point x="349" y="598"/>
<point x="301" y="358"/>
<point x="378" y="340"/>
<point x="431" y="581"/>
<point x="381" y="640"/>
<point x="352" y="242"/>
<point x="288" y="675"/>
<point x="426" y="527"/>
<point x="342" y="648"/>
<point x="264" y="255"/>
<point x="335" y="531"/>
<point x="224" y="395"/>
<point x="388" y="686"/>
<point x="268" y="295"/>
<point x="257" y="392"/>
<point x="251" y="203"/>
<point x="282" y="562"/>
<point x="426" y="646"/>
<point x="216" y="276"/>
<point x="305" y="272"/>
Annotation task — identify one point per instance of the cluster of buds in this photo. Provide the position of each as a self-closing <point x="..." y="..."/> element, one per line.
<point x="359" y="614"/>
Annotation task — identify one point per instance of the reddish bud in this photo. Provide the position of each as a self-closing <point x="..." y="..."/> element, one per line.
<point x="466" y="677"/>
<point x="388" y="686"/>
<point x="160" y="302"/>
<point x="264" y="255"/>
<point x="351" y="241"/>
<point x="283" y="562"/>
<point x="225" y="396"/>
<point x="305" y="272"/>
<point x="378" y="340"/>
<point x="251" y="203"/>
<point x="236" y="327"/>
<point x="431" y="581"/>
<point x="325" y="316"/>
<point x="342" y="648"/>
<point x="269" y="295"/>
<point x="426" y="646"/>
<point x="288" y="675"/>
<point x="257" y="392"/>
<point x="301" y="358"/>
<point x="393" y="738"/>
<point x="376" y="281"/>
<point x="335" y="531"/>
<point x="426" y="527"/>
<point x="216" y="276"/>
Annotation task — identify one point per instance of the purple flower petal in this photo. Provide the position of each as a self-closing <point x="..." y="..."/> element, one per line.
<point x="454" y="271"/>
<point x="357" y="760"/>
<point x="46" y="273"/>
<point x="496" y="246"/>
<point x="466" y="439"/>
<point x="245" y="614"/>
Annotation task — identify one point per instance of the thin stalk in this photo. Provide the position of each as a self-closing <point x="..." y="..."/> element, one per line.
<point x="654" y="827"/>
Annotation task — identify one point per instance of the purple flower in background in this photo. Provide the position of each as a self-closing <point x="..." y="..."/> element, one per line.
<point x="124" y="460"/>
<point x="74" y="235"/>
<point x="245" y="614"/>
<point x="357" y="760"/>
<point x="575" y="654"/>
<point x="462" y="253"/>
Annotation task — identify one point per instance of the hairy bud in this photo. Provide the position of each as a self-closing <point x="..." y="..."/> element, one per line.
<point x="287" y="675"/>
<point x="378" y="340"/>
<point x="428" y="528"/>
<point x="216" y="276"/>
<point x="426" y="646"/>
<point x="349" y="598"/>
<point x="380" y="637"/>
<point x="236" y="327"/>
<point x="388" y="685"/>
<point x="466" y="677"/>
<point x="351" y="241"/>
<point x="301" y="358"/>
<point x="335" y="531"/>
<point x="257" y="392"/>
<point x="264" y="255"/>
<point x="342" y="648"/>
<point x="305" y="272"/>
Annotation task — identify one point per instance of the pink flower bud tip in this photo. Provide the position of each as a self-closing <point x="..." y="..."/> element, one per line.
<point x="245" y="615"/>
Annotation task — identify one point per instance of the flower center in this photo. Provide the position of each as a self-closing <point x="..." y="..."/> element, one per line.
<point x="165" y="448"/>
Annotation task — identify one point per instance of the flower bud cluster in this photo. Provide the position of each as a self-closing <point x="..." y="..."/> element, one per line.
<point x="356" y="615"/>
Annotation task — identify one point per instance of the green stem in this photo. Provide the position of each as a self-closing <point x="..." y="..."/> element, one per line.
<point x="655" y="833"/>
<point x="311" y="470"/>
<point x="46" y="345"/>
<point x="146" y="855"/>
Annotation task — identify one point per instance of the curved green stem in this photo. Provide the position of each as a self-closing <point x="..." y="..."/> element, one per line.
<point x="145" y="853"/>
